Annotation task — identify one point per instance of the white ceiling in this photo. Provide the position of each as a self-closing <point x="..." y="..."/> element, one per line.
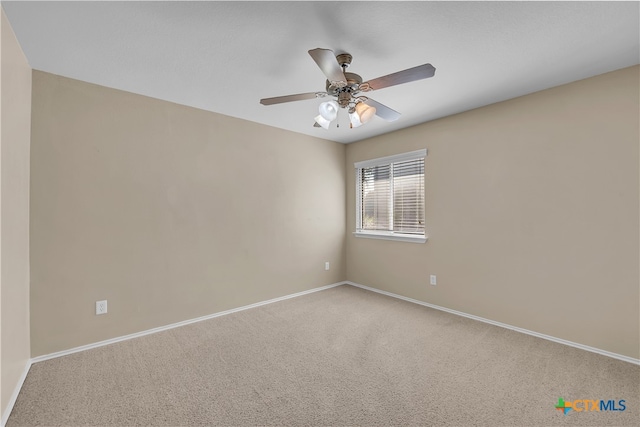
<point x="225" y="56"/>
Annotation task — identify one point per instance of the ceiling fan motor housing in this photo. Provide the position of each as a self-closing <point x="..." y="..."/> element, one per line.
<point x="344" y="98"/>
<point x="344" y="93"/>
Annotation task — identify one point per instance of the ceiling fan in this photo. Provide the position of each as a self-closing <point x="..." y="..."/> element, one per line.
<point x="345" y="89"/>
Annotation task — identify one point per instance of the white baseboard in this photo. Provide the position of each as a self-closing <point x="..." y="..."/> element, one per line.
<point x="176" y="325"/>
<point x="504" y="325"/>
<point x="14" y="395"/>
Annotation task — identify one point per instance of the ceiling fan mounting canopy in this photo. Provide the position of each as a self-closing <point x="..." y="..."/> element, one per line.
<point x="344" y="59"/>
<point x="345" y="88"/>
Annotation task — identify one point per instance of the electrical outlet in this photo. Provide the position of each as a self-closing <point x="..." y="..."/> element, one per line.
<point x="326" y="265"/>
<point x="101" y="307"/>
<point x="433" y="279"/>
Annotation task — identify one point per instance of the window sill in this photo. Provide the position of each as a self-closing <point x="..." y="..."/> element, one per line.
<point x="391" y="236"/>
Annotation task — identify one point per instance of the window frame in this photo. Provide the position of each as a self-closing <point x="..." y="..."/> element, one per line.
<point x="381" y="234"/>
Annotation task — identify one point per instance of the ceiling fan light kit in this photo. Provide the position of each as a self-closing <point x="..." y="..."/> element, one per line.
<point x="345" y="87"/>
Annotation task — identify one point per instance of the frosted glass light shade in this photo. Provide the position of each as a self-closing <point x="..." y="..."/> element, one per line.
<point x="322" y="121"/>
<point x="329" y="110"/>
<point x="365" y="112"/>
<point x="354" y="118"/>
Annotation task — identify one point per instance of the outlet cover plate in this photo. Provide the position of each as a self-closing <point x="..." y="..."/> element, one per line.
<point x="432" y="279"/>
<point x="101" y="307"/>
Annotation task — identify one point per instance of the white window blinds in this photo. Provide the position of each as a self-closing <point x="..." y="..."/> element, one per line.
<point x="390" y="194"/>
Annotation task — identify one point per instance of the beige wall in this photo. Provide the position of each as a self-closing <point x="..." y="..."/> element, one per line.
<point x="531" y="212"/>
<point x="15" y="87"/>
<point x="169" y="213"/>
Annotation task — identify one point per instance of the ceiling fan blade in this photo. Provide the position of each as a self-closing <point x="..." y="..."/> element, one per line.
<point x="326" y="60"/>
<point x="409" y="75"/>
<point x="290" y="98"/>
<point x="383" y="111"/>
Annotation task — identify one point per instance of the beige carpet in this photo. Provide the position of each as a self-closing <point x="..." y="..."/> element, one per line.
<point x="343" y="356"/>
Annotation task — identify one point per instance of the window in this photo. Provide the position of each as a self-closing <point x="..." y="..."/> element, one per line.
<point x="390" y="197"/>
